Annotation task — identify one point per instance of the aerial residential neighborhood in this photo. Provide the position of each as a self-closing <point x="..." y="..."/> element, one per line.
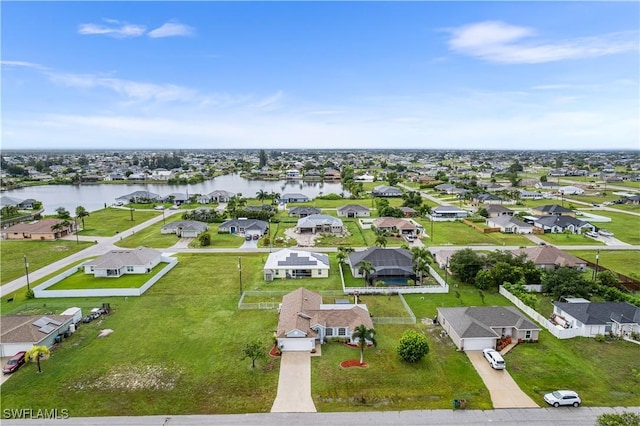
<point x="320" y="213"/>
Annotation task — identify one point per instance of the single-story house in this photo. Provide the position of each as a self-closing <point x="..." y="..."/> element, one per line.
<point x="486" y="198"/>
<point x="408" y="211"/>
<point x="476" y="328"/>
<point x="353" y="210"/>
<point x="293" y="198"/>
<point x="394" y="224"/>
<point x="445" y="188"/>
<point x="22" y="332"/>
<point x="139" y="196"/>
<point x="10" y="201"/>
<point x="531" y="195"/>
<point x="552" y="210"/>
<point x="185" y="228"/>
<point x="220" y="196"/>
<point x="510" y="225"/>
<point x="39" y="230"/>
<point x="27" y="204"/>
<point x="176" y="198"/>
<point x="244" y="226"/>
<point x="394" y="266"/>
<point x="619" y="318"/>
<point x="292" y="174"/>
<point x="304" y="321"/>
<point x="559" y="224"/>
<point x="364" y="178"/>
<point x="550" y="257"/>
<point x="631" y="199"/>
<point x="450" y="213"/>
<point x="496" y="210"/>
<point x="547" y="185"/>
<point x="302" y="211"/>
<point x="570" y="190"/>
<point x="386" y="191"/>
<point x="123" y="261"/>
<point x="332" y="174"/>
<point x="287" y="263"/>
<point x="320" y="223"/>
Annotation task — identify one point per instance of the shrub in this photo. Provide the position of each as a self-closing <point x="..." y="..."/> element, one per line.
<point x="413" y="346"/>
<point x="600" y="338"/>
<point x="205" y="239"/>
<point x="625" y="418"/>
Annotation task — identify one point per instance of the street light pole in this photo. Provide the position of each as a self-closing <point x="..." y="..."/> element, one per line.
<point x="595" y="273"/>
<point x="77" y="239"/>
<point x="26" y="269"/>
<point x="240" y="273"/>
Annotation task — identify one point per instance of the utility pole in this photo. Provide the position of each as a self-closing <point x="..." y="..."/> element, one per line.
<point x="240" y="273"/>
<point x="77" y="239"/>
<point x="595" y="273"/>
<point x="26" y="269"/>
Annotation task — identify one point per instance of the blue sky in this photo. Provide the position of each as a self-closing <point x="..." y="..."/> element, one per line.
<point x="223" y="75"/>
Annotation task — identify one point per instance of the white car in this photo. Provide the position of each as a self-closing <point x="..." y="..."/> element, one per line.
<point x="563" y="397"/>
<point x="494" y="358"/>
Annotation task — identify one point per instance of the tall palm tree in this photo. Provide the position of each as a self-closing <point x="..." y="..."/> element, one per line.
<point x="81" y="213"/>
<point x="363" y="334"/>
<point x="421" y="261"/>
<point x="366" y="268"/>
<point x="262" y="195"/>
<point x="35" y="353"/>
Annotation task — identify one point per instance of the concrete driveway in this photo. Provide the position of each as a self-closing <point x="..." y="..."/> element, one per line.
<point x="294" y="384"/>
<point x="504" y="391"/>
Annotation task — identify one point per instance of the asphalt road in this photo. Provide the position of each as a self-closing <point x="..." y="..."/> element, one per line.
<point x="582" y="416"/>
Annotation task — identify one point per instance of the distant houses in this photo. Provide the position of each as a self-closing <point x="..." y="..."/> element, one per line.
<point x="41" y="230"/>
<point x="386" y="191"/>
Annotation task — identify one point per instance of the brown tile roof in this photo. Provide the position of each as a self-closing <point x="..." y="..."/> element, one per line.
<point x="20" y="328"/>
<point x="549" y="255"/>
<point x="42" y="226"/>
<point x="393" y="222"/>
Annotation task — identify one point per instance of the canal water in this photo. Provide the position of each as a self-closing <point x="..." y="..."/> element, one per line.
<point x="95" y="196"/>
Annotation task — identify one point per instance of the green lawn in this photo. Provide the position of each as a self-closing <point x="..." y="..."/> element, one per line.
<point x="39" y="254"/>
<point x="83" y="281"/>
<point x="569" y="239"/>
<point x="107" y="222"/>
<point x="458" y="233"/>
<point x="624" y="262"/>
<point x="149" y="237"/>
<point x="601" y="372"/>
<point x="625" y="227"/>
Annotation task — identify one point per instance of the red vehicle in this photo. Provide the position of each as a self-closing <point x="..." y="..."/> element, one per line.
<point x="14" y="363"/>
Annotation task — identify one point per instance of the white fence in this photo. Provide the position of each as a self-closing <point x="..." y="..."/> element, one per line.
<point x="442" y="287"/>
<point x="560" y="333"/>
<point x="41" y="290"/>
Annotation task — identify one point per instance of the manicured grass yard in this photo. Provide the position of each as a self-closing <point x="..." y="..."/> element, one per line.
<point x="569" y="239"/>
<point x="106" y="222"/>
<point x="83" y="281"/>
<point x="39" y="254"/>
<point x="149" y="237"/>
<point x="624" y="261"/>
<point x="458" y="233"/>
<point x="625" y="227"/>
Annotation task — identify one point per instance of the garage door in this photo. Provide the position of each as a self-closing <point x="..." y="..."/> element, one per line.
<point x="297" y="344"/>
<point x="477" y="344"/>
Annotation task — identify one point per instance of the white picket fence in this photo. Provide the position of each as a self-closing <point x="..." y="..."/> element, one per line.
<point x="560" y="333"/>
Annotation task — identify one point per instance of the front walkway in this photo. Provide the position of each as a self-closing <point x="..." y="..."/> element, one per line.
<point x="294" y="384"/>
<point x="504" y="391"/>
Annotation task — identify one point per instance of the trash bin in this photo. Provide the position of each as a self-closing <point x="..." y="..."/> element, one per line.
<point x="463" y="403"/>
<point x="58" y="339"/>
<point x="456" y="403"/>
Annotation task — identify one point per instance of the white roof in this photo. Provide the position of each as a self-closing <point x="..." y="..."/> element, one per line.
<point x="287" y="259"/>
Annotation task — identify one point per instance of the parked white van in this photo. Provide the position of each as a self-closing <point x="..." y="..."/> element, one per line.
<point x="494" y="358"/>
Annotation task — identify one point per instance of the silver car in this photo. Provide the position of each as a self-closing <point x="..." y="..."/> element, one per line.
<point x="563" y="397"/>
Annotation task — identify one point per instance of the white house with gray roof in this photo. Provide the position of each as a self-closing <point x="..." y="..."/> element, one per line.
<point x="320" y="223"/>
<point x="353" y="210"/>
<point x="476" y="328"/>
<point x="185" y="228"/>
<point x="287" y="263"/>
<point x="619" y="318"/>
<point x="123" y="261"/>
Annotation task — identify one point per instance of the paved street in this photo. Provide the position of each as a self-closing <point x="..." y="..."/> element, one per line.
<point x="582" y="416"/>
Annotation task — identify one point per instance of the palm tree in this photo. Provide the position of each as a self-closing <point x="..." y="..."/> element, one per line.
<point x="363" y="334"/>
<point x="421" y="261"/>
<point x="366" y="268"/>
<point x="381" y="239"/>
<point x="262" y="195"/>
<point x="35" y="353"/>
<point x="81" y="213"/>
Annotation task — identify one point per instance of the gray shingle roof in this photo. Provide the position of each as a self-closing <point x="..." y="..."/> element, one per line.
<point x="481" y="321"/>
<point x="602" y="313"/>
<point x="116" y="259"/>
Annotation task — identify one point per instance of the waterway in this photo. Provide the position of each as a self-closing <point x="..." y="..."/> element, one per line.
<point x="95" y="196"/>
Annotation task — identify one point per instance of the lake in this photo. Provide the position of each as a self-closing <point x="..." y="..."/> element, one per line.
<point x="95" y="196"/>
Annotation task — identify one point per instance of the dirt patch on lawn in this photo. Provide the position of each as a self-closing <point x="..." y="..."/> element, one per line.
<point x="302" y="240"/>
<point x="350" y="363"/>
<point x="60" y="248"/>
<point x="133" y="378"/>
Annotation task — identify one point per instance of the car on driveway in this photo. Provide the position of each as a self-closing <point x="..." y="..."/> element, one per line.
<point x="494" y="358"/>
<point x="563" y="397"/>
<point x="14" y="363"/>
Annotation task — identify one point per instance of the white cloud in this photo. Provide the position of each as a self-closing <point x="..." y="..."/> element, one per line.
<point x="269" y="102"/>
<point x="114" y="28"/>
<point x="172" y="29"/>
<point x="499" y="42"/>
<point x="23" y="64"/>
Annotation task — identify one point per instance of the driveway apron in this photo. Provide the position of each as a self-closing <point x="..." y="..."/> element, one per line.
<point x="504" y="391"/>
<point x="294" y="384"/>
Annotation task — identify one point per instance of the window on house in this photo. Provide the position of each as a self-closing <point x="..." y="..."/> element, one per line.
<point x="342" y="331"/>
<point x="329" y="332"/>
<point x="129" y="268"/>
<point x="527" y="334"/>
